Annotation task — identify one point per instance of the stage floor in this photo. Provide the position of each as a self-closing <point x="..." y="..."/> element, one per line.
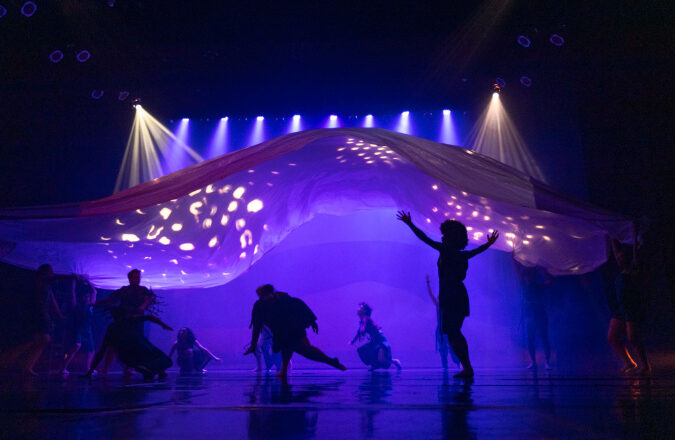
<point x="326" y="404"/>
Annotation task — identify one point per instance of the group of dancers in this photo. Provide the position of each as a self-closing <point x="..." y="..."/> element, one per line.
<point x="279" y="321"/>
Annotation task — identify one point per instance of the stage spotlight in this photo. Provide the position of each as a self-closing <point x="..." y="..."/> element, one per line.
<point x="3" y="11"/>
<point x="260" y="118"/>
<point x="224" y="119"/>
<point x="523" y="41"/>
<point x="185" y="119"/>
<point x="446" y="112"/>
<point x="405" y="114"/>
<point x="136" y="102"/>
<point x="123" y="95"/>
<point x="83" y="56"/>
<point x="556" y="40"/>
<point x="97" y="94"/>
<point x="56" y="56"/>
<point x="295" y="124"/>
<point x="526" y="81"/>
<point x="500" y="82"/>
<point x="369" y="121"/>
<point x="28" y="9"/>
<point x="333" y="117"/>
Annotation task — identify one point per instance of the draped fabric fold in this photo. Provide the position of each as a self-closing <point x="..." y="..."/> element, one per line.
<point x="204" y="225"/>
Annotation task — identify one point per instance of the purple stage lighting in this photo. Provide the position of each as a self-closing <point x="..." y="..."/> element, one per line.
<point x="257" y="134"/>
<point x="295" y="125"/>
<point x="448" y="133"/>
<point x="83" y="56"/>
<point x="333" y="121"/>
<point x="28" y="9"/>
<point x="123" y="95"/>
<point x="97" y="94"/>
<point x="219" y="140"/>
<point x="526" y="81"/>
<point x="56" y="56"/>
<point x="403" y="125"/>
<point x="3" y="11"/>
<point x="523" y="41"/>
<point x="556" y="40"/>
<point x="369" y="121"/>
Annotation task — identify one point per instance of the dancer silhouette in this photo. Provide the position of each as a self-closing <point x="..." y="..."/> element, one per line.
<point x="377" y="352"/>
<point x="453" y="262"/>
<point x="287" y="318"/>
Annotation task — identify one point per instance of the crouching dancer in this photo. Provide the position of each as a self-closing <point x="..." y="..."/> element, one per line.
<point x="287" y="318"/>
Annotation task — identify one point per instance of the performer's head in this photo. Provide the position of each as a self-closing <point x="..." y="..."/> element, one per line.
<point x="185" y="335"/>
<point x="45" y="272"/>
<point x="454" y="234"/>
<point x="265" y="291"/>
<point x="134" y="277"/>
<point x="364" y="310"/>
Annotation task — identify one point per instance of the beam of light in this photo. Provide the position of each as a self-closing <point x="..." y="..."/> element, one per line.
<point x="257" y="134"/>
<point x="219" y="141"/>
<point x="448" y="133"/>
<point x="369" y="121"/>
<point x="332" y="122"/>
<point x="149" y="142"/>
<point x="295" y="124"/>
<point x="495" y="135"/>
<point x="403" y="125"/>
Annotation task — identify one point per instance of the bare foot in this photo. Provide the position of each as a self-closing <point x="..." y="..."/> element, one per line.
<point x="397" y="364"/>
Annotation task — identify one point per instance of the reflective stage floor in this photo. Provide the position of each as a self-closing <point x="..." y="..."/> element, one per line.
<point x="326" y="404"/>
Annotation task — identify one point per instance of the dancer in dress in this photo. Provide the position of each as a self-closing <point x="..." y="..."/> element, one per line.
<point x="453" y="262"/>
<point x="627" y="306"/>
<point x="287" y="318"/>
<point x="533" y="284"/>
<point x="442" y="344"/>
<point x="132" y="348"/>
<point x="192" y="356"/>
<point x="376" y="353"/>
<point x="83" y="297"/>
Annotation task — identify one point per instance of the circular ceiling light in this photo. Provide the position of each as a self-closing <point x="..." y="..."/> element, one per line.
<point x="526" y="81"/>
<point x="97" y="94"/>
<point x="83" y="56"/>
<point x="56" y="56"/>
<point x="28" y="9"/>
<point x="523" y="41"/>
<point x="556" y="40"/>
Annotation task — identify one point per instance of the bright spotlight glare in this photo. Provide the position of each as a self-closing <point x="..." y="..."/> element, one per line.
<point x="333" y="117"/>
<point x="185" y="119"/>
<point x="260" y="118"/>
<point x="296" y="117"/>
<point x="446" y="112"/>
<point x="224" y="119"/>
<point x="405" y="114"/>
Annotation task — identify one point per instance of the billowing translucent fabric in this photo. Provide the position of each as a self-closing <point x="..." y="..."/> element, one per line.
<point x="204" y="225"/>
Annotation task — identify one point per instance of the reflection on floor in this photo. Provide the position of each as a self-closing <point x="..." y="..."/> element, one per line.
<point x="322" y="404"/>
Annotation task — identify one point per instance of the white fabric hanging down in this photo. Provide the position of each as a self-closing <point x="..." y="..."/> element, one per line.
<point x="204" y="225"/>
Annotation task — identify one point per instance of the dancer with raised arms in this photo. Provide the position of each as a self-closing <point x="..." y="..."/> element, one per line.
<point x="453" y="262"/>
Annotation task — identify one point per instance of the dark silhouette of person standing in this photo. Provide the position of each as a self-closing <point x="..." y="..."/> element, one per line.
<point x="287" y="318"/>
<point x="442" y="344"/>
<point x="533" y="284"/>
<point x="453" y="262"/>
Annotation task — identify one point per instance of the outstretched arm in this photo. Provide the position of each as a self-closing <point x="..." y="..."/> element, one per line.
<point x="482" y="248"/>
<point x="213" y="356"/>
<point x="156" y="320"/>
<point x="405" y="218"/>
<point x="173" y="349"/>
<point x="431" y="294"/>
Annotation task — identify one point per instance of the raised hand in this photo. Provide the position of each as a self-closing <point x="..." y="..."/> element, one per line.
<point x="404" y="216"/>
<point x="492" y="238"/>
